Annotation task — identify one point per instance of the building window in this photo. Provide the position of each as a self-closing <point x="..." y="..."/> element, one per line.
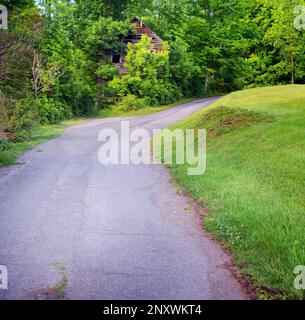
<point x="116" y="58"/>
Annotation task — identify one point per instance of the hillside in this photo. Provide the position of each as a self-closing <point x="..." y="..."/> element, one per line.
<point x="255" y="181"/>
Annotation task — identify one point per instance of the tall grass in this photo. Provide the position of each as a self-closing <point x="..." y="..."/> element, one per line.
<point x="254" y="186"/>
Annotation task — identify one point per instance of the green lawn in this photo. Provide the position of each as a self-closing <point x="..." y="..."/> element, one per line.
<point x="254" y="186"/>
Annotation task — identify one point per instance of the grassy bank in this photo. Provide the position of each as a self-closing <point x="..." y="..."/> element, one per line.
<point x="255" y="182"/>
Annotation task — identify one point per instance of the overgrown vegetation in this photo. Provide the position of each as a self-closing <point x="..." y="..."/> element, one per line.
<point x="255" y="181"/>
<point x="54" y="59"/>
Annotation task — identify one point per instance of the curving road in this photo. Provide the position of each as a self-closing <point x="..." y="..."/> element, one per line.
<point x="105" y="232"/>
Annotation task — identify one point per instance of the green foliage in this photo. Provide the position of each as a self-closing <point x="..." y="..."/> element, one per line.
<point x="148" y="74"/>
<point x="105" y="96"/>
<point x="131" y="103"/>
<point x="106" y="71"/>
<point x="167" y="18"/>
<point x="77" y="84"/>
<point x="3" y="144"/>
<point x="22" y="119"/>
<point x="20" y="4"/>
<point x="277" y="52"/>
<point x="59" y="51"/>
<point x="102" y="36"/>
<point x="18" y="118"/>
<point x="52" y="111"/>
<point x="182" y="67"/>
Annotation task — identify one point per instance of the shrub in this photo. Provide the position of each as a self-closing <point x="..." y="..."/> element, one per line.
<point x="105" y="96"/>
<point x="131" y="102"/>
<point x="147" y="77"/>
<point x="168" y="93"/>
<point x="3" y="144"/>
<point x="5" y="106"/>
<point x="51" y="110"/>
<point x="22" y="119"/>
<point x="106" y="71"/>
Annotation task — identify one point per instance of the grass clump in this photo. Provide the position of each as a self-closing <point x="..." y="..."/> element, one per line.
<point x="222" y="120"/>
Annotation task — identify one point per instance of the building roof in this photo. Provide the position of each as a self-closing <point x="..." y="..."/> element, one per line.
<point x="144" y="29"/>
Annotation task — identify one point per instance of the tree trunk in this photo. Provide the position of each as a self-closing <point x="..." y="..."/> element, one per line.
<point x="292" y="69"/>
<point x="206" y="84"/>
<point x="36" y="65"/>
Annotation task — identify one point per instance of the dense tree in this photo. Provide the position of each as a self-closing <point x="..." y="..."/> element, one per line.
<point x="54" y="59"/>
<point x="284" y="37"/>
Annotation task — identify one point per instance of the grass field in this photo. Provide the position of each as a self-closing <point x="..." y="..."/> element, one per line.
<point x="254" y="186"/>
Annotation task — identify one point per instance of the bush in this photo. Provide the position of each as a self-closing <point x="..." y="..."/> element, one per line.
<point x="5" y="108"/>
<point x="105" y="96"/>
<point x="23" y="118"/>
<point x="106" y="71"/>
<point x="131" y="102"/>
<point x="3" y="144"/>
<point x="147" y="77"/>
<point x="52" y="111"/>
<point x="168" y="93"/>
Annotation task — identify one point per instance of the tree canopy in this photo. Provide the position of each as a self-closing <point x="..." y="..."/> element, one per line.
<point x="54" y="59"/>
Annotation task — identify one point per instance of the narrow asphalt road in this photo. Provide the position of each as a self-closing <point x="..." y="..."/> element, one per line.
<point x="105" y="232"/>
